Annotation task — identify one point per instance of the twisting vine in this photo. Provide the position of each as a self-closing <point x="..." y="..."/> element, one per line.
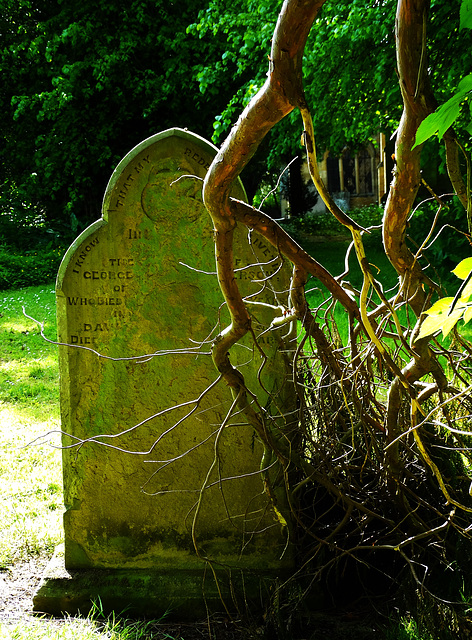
<point x="373" y="475"/>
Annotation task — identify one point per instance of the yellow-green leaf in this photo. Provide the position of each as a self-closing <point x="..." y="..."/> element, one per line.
<point x="463" y="268"/>
<point x="441" y="306"/>
<point x="465" y="295"/>
<point x="451" y="321"/>
<point x="468" y="314"/>
<point x="430" y="325"/>
<point x="440" y="321"/>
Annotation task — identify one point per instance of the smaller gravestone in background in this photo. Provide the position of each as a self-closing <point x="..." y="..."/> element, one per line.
<point x="136" y="283"/>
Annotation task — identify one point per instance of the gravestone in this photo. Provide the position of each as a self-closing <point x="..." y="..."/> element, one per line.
<point x="155" y="489"/>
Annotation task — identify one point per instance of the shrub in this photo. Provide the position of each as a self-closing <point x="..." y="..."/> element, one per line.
<point x="28" y="268"/>
<point x="321" y="224"/>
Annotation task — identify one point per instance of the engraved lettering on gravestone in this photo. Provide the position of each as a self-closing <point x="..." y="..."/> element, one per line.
<point x="197" y="157"/>
<point x="123" y="291"/>
<point x="81" y="258"/>
<point x="138" y="168"/>
<point x="134" y="234"/>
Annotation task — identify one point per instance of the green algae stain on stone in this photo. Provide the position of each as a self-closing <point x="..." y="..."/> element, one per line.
<point x="136" y="287"/>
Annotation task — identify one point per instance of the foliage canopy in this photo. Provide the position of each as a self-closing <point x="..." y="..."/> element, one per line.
<point x="381" y="440"/>
<point x="83" y="83"/>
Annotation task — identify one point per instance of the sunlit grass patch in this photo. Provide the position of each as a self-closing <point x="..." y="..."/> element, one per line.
<point x="30" y="487"/>
<point x="38" y="303"/>
<point x="91" y="628"/>
<point x="28" y="364"/>
<point x="37" y="630"/>
<point x="30" y="475"/>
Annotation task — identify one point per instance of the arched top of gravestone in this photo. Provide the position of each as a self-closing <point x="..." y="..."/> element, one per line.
<point x="155" y="164"/>
<point x="199" y="163"/>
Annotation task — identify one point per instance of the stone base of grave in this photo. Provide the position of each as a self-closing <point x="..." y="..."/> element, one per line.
<point x="175" y="594"/>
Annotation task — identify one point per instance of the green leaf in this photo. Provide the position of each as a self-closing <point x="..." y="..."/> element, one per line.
<point x="466" y="293"/>
<point x="466" y="14"/>
<point x="451" y="320"/>
<point x="449" y="112"/>
<point x="427" y="128"/>
<point x="439" y="319"/>
<point x="463" y="268"/>
<point x="445" y="115"/>
<point x="465" y="84"/>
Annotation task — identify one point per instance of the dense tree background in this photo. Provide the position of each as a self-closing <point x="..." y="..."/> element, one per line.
<point x="350" y="69"/>
<point x="85" y="82"/>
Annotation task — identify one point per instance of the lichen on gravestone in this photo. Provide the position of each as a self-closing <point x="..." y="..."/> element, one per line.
<point x="138" y="287"/>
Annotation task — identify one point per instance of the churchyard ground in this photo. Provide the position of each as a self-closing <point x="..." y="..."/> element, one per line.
<point x="31" y="488"/>
<point x="31" y="475"/>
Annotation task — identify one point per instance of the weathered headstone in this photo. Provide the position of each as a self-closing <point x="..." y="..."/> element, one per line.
<point x="138" y="288"/>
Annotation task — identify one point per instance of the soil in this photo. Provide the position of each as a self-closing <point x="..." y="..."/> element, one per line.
<point x="19" y="582"/>
<point x="17" y="586"/>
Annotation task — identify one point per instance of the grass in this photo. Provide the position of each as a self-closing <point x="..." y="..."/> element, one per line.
<point x="73" y="629"/>
<point x="31" y="503"/>
<point x="91" y="628"/>
<point x="333" y="257"/>
<point x="407" y="629"/>
<point x="30" y="474"/>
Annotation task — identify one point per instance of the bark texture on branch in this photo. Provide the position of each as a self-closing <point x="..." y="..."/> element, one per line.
<point x="281" y="93"/>
<point x="418" y="102"/>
